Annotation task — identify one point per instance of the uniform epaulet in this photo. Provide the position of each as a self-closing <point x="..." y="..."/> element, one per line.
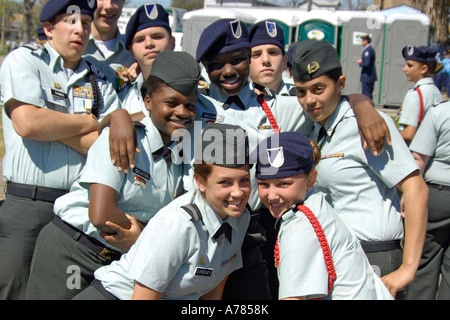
<point x="96" y="72"/>
<point x="203" y="87"/>
<point x="193" y="210"/>
<point x="33" y="46"/>
<point x="138" y="124"/>
<point x="439" y="103"/>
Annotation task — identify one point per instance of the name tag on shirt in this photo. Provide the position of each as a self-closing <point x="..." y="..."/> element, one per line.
<point x="59" y="94"/>
<point x="206" y="272"/>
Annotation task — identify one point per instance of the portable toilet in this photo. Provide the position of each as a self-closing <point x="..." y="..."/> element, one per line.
<point x="286" y="18"/>
<point x="353" y="25"/>
<point x="400" y="30"/>
<point x="318" y="25"/>
<point x="194" y="22"/>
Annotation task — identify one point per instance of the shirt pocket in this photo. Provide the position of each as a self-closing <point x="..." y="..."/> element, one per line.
<point x="55" y="99"/>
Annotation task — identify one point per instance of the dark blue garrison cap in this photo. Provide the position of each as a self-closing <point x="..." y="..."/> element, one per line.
<point x="266" y="32"/>
<point x="146" y="16"/>
<point x="40" y="32"/>
<point x="421" y="54"/>
<point x="283" y="155"/>
<point x="55" y="7"/>
<point x="222" y="36"/>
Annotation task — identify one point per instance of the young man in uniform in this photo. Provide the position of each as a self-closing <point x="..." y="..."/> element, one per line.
<point x="268" y="57"/>
<point x="106" y="48"/>
<point x="367" y="64"/>
<point x="52" y="99"/>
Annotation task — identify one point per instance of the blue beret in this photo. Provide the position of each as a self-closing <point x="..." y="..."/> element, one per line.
<point x="222" y="36"/>
<point x="290" y="52"/>
<point x="56" y="7"/>
<point x="224" y="145"/>
<point x="283" y="155"/>
<point x="146" y="16"/>
<point x="266" y="32"/>
<point x="421" y="54"/>
<point x="40" y="32"/>
<point x="313" y="58"/>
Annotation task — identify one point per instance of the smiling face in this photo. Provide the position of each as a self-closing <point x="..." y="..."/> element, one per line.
<point x="104" y="25"/>
<point x="226" y="190"/>
<point x="229" y="71"/>
<point x="319" y="97"/>
<point x="147" y="44"/>
<point x="170" y="110"/>
<point x="267" y="65"/>
<point x="69" y="36"/>
<point x="278" y="195"/>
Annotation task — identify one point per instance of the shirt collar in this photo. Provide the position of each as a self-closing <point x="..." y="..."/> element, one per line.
<point x="334" y="119"/>
<point x="56" y="63"/>
<point x="244" y="95"/>
<point x="119" y="40"/>
<point x="211" y="219"/>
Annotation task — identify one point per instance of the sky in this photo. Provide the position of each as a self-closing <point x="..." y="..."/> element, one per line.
<point x="137" y="3"/>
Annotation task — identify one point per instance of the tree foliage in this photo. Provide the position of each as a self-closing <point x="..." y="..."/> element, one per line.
<point x="437" y="11"/>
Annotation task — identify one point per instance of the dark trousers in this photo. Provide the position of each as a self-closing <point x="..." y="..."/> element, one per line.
<point x="367" y="89"/>
<point x="435" y="260"/>
<point x="62" y="267"/>
<point x="21" y="220"/>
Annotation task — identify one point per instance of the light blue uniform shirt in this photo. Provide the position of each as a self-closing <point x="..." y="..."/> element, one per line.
<point x="302" y="270"/>
<point x="433" y="139"/>
<point x="37" y="77"/>
<point x="173" y="249"/>
<point x="131" y="97"/>
<point x="409" y="115"/>
<point x="360" y="186"/>
<point x="113" y="65"/>
<point x="159" y="184"/>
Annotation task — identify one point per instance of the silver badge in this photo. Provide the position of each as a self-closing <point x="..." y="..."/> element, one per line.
<point x="410" y="50"/>
<point x="151" y="10"/>
<point x="271" y="28"/>
<point x="91" y="3"/>
<point x="276" y="157"/>
<point x="236" y="28"/>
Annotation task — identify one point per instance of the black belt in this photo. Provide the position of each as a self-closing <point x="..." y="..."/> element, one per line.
<point x="440" y="187"/>
<point x="90" y="242"/>
<point x="378" y="246"/>
<point x="34" y="192"/>
<point x="99" y="286"/>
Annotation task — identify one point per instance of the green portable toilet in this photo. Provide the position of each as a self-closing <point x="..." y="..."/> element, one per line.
<point x="318" y="25"/>
<point x="400" y="30"/>
<point x="353" y="25"/>
<point x="286" y="18"/>
<point x="194" y="22"/>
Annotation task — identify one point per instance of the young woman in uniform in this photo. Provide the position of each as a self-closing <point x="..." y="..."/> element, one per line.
<point x="362" y="188"/>
<point x="420" y="63"/>
<point x="316" y="254"/>
<point x="190" y="247"/>
<point x="431" y="149"/>
<point x="105" y="210"/>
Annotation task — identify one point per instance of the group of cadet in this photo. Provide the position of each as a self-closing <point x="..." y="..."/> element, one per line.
<point x="138" y="172"/>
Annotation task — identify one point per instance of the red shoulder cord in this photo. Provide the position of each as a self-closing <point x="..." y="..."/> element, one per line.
<point x="421" y="104"/>
<point x="323" y="243"/>
<point x="269" y="114"/>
